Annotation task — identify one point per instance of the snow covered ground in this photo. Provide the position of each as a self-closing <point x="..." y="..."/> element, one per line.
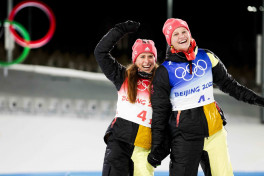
<point x="30" y="144"/>
<point x="39" y="143"/>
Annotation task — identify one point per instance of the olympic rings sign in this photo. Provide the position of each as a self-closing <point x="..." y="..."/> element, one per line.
<point x="40" y="42"/>
<point x="199" y="70"/>
<point x="26" y="50"/>
<point x="25" y="41"/>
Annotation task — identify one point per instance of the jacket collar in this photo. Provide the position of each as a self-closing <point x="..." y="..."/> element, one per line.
<point x="177" y="57"/>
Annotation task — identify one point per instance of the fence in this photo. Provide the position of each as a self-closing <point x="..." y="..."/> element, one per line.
<point x="57" y="107"/>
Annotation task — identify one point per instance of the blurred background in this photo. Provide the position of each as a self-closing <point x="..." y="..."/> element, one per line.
<point x="229" y="29"/>
<point x="56" y="105"/>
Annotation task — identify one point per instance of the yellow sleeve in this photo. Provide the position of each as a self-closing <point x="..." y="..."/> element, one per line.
<point x="213" y="59"/>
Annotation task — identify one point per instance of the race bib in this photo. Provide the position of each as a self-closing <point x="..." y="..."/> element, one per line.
<point x="139" y="112"/>
<point x="190" y="90"/>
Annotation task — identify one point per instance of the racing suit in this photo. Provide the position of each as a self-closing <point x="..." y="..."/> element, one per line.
<point x="128" y="136"/>
<point x="183" y="98"/>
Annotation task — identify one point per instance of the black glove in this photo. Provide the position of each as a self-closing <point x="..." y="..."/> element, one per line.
<point x="159" y="152"/>
<point x="128" y="26"/>
<point x="259" y="101"/>
<point x="153" y="161"/>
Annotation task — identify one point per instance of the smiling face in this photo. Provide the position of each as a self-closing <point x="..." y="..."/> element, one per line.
<point x="181" y="39"/>
<point x="145" y="62"/>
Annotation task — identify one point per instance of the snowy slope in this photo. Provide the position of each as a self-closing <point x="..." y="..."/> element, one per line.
<point x="53" y="144"/>
<point x="43" y="143"/>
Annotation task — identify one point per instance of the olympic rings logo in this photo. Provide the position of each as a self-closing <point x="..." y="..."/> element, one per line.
<point x="25" y="41"/>
<point x="198" y="70"/>
<point x="143" y="85"/>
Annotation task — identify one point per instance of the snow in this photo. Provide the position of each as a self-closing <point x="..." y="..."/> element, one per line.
<point x="62" y="72"/>
<point x="66" y="144"/>
<point x="35" y="143"/>
<point x="39" y="144"/>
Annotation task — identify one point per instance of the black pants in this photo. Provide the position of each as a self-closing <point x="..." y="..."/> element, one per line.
<point x="117" y="160"/>
<point x="186" y="156"/>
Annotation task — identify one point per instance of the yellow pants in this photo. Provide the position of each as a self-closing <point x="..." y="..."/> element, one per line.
<point x="217" y="149"/>
<point x="141" y="165"/>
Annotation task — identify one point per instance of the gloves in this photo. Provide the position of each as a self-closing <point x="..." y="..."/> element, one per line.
<point x="259" y="101"/>
<point x="128" y="26"/>
<point x="159" y="152"/>
<point x="153" y="161"/>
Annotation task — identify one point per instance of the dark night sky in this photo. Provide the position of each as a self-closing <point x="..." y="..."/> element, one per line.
<point x="227" y="29"/>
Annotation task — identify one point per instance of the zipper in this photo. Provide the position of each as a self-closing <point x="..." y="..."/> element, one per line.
<point x="113" y="122"/>
<point x="178" y="119"/>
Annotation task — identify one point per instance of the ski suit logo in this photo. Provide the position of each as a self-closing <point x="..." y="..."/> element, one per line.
<point x="143" y="85"/>
<point x="198" y="70"/>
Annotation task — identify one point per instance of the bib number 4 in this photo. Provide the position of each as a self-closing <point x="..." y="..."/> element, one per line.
<point x="142" y="115"/>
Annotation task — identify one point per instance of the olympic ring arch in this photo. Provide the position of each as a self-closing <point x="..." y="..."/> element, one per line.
<point x="26" y="50"/>
<point x="36" y="43"/>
